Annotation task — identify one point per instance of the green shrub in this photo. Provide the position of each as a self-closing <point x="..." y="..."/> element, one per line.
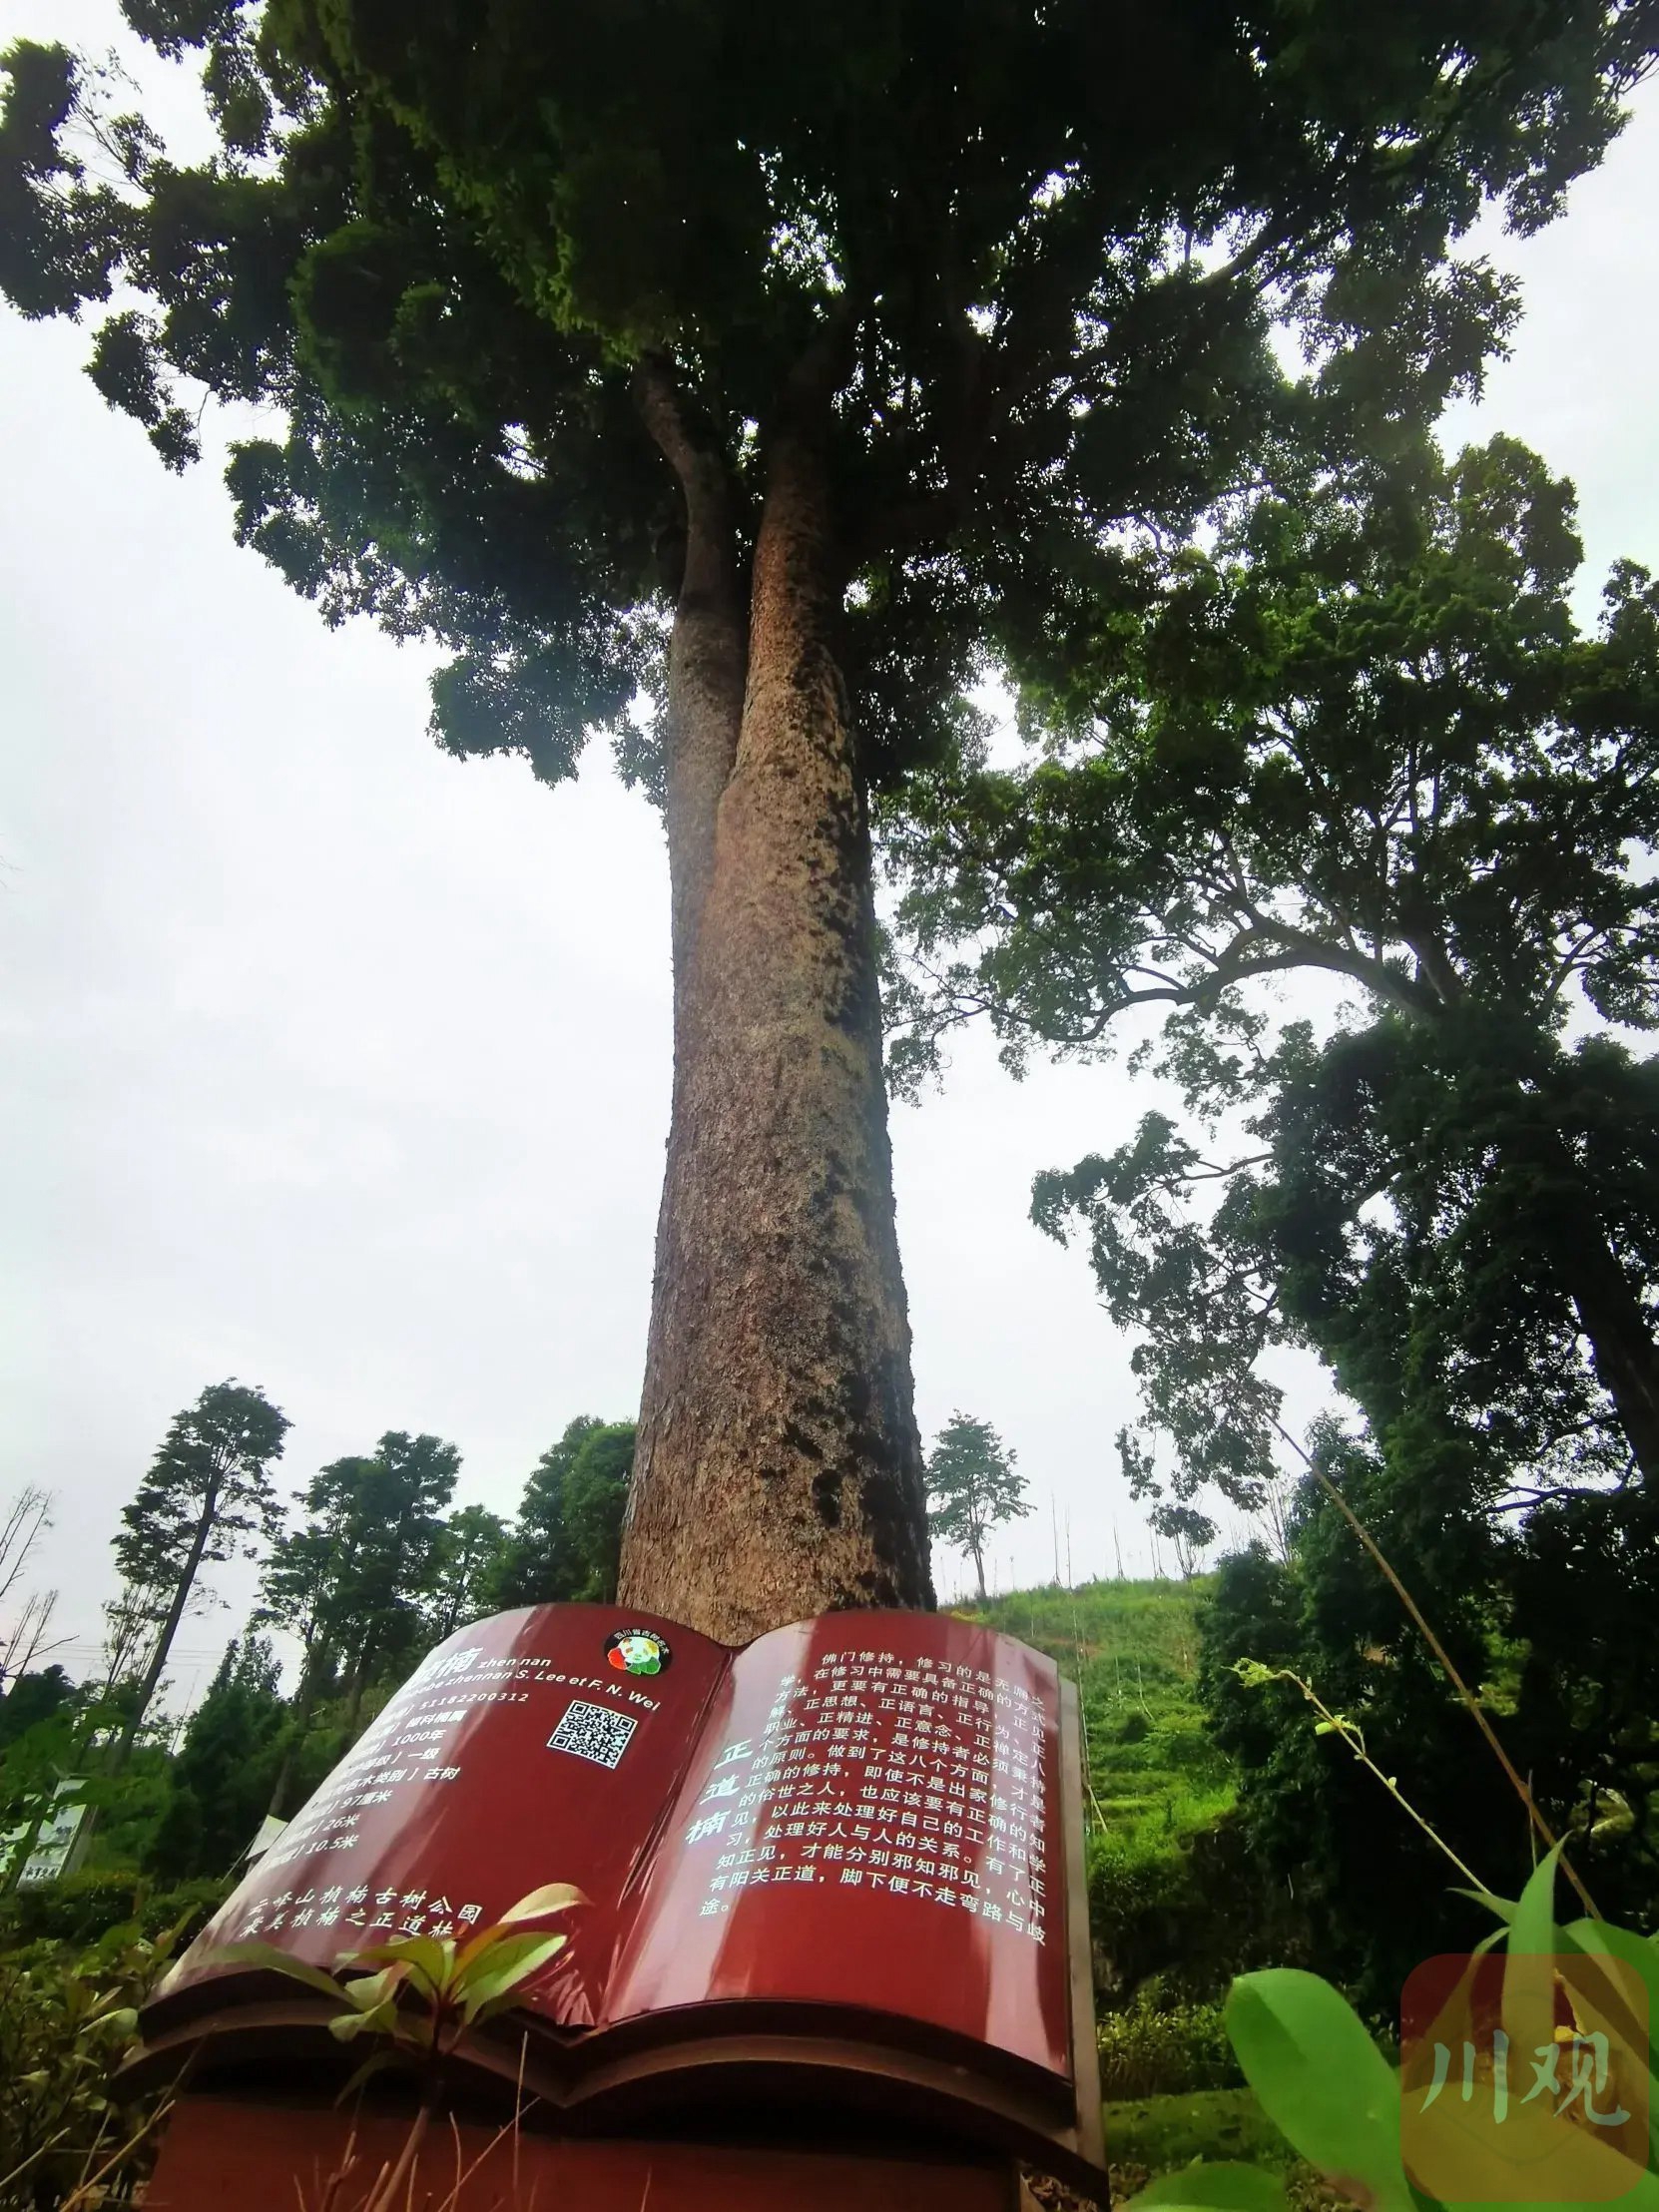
<point x="84" y="1907"/>
<point x="64" y="2024"/>
<point x="1152" y="2050"/>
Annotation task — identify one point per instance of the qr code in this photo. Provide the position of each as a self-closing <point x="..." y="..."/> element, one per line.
<point x="593" y="1732"/>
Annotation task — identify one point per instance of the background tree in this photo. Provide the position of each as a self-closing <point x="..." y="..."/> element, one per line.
<point x="1365" y="739"/>
<point x="206" y="1496"/>
<point x="566" y="1539"/>
<point x="33" y="1698"/>
<point x="535" y="1567"/>
<point x="1400" y="762"/>
<point x="468" y="1556"/>
<point x="220" y="1781"/>
<point x="1538" y="1619"/>
<point x="354" y="1579"/>
<point x="594" y="1503"/>
<point x="972" y="1487"/>
<point x="569" y="325"/>
<point x="25" y="1641"/>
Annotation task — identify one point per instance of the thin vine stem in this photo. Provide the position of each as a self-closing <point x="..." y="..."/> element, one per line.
<point x="1445" y="1660"/>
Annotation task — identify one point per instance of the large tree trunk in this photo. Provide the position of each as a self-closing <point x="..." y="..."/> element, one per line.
<point x="169" y="1630"/>
<point x="1621" y="1343"/>
<point x="777" y="1472"/>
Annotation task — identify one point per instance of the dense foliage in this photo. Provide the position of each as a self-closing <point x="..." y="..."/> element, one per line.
<point x="374" y="1569"/>
<point x="68" y="2135"/>
<point x="438" y="258"/>
<point x="1362" y="740"/>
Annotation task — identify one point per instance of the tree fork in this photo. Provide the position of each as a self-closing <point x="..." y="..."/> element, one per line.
<point x="707" y="655"/>
<point x="779" y="1472"/>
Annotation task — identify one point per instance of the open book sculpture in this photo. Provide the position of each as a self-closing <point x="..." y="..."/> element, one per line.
<point x="838" y="1868"/>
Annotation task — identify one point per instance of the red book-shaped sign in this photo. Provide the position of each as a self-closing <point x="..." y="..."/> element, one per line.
<point x="845" y="1859"/>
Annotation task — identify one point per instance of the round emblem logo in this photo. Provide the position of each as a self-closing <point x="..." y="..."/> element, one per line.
<point x="637" y="1651"/>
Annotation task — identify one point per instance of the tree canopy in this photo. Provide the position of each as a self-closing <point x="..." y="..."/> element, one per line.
<point x="1057" y="236"/>
<point x="353" y="1578"/>
<point x="565" y="1541"/>
<point x="1361" y="739"/>
<point x="972" y="1487"/>
<point x="206" y="1496"/>
<point x="883" y="349"/>
<point x="219" y="1781"/>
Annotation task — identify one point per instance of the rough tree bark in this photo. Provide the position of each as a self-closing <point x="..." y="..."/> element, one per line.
<point x="777" y="1472"/>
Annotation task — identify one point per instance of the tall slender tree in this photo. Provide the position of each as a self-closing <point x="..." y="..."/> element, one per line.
<point x="858" y="342"/>
<point x="353" y="1578"/>
<point x="206" y="1496"/>
<point x="973" y="1488"/>
<point x="468" y="1555"/>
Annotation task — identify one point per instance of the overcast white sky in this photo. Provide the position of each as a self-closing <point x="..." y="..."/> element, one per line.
<point x="342" y="1067"/>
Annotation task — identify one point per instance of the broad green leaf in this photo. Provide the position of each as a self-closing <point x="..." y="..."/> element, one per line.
<point x="275" y="1961"/>
<point x="421" y="1954"/>
<point x="511" y="1961"/>
<point x="1529" y="1971"/>
<point x="1204" y="2188"/>
<point x="475" y="2015"/>
<point x="1322" y="2081"/>
<point x="381" y="2020"/>
<point x="1639" y="1952"/>
<point x="553" y="1897"/>
<point x="1504" y="1909"/>
<point x="371" y="1990"/>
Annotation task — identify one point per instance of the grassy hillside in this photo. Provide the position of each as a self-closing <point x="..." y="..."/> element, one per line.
<point x="1132" y="1648"/>
<point x="1176" y="1909"/>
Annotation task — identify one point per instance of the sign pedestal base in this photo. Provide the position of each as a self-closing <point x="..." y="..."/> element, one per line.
<point x="269" y="2156"/>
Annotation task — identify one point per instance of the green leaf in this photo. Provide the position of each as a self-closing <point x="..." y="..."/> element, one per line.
<point x="1529" y="1971"/>
<point x="502" y="1968"/>
<point x="553" y="1897"/>
<point x="421" y="1954"/>
<point x="1322" y="2081"/>
<point x="1504" y="1909"/>
<point x="275" y="1961"/>
<point x="371" y="1990"/>
<point x="1231" y="2187"/>
<point x="381" y="2020"/>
